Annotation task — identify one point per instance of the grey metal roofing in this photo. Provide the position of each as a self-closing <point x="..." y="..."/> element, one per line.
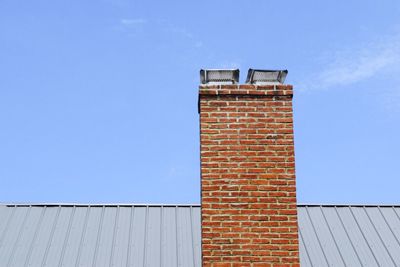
<point x="99" y="235"/>
<point x="169" y="235"/>
<point x="349" y="235"/>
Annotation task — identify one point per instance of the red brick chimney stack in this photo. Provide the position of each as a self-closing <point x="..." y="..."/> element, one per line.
<point x="248" y="187"/>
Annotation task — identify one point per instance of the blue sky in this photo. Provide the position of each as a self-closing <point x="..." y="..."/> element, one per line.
<point x="98" y="99"/>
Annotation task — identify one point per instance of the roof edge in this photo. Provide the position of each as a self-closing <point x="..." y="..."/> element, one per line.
<point x="345" y="205"/>
<point x="55" y="204"/>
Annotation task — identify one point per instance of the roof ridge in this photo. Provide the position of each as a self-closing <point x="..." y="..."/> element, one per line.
<point x="43" y="204"/>
<point x="96" y="205"/>
<point x="346" y="205"/>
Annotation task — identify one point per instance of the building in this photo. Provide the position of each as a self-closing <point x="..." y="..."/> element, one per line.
<point x="248" y="214"/>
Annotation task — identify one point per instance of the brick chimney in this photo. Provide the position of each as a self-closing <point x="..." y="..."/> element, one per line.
<point x="248" y="187"/>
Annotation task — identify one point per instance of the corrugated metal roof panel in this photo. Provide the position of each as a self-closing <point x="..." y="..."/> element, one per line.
<point x="99" y="235"/>
<point x="169" y="235"/>
<point x="349" y="235"/>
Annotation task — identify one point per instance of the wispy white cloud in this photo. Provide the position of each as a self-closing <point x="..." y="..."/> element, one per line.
<point x="118" y="3"/>
<point x="186" y="34"/>
<point x="230" y="65"/>
<point x="360" y="63"/>
<point x="198" y="44"/>
<point x="133" y="22"/>
<point x="181" y="31"/>
<point x="390" y="100"/>
<point x="130" y="26"/>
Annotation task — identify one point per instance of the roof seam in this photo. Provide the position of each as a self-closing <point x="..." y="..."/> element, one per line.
<point x="53" y="228"/>
<point x="333" y="237"/>
<point x="363" y="235"/>
<point x="114" y="237"/>
<point x="305" y="247"/>
<point x="22" y="228"/>
<point x="380" y="237"/>
<point x="64" y="247"/>
<point x="316" y="235"/>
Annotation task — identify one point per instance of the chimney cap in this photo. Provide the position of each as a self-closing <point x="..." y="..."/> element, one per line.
<point x="219" y="76"/>
<point x="257" y="76"/>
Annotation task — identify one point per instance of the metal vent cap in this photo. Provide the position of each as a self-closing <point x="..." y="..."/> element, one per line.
<point x="266" y="76"/>
<point x="219" y="76"/>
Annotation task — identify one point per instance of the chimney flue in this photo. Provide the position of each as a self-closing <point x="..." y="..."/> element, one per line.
<point x="266" y="76"/>
<point x="219" y="76"/>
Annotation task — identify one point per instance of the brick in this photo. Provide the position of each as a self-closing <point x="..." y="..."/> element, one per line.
<point x="249" y="215"/>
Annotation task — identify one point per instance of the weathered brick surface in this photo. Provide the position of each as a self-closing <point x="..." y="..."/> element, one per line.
<point x="248" y="187"/>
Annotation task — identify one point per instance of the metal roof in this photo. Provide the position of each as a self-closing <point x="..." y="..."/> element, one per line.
<point x="349" y="235"/>
<point x="76" y="235"/>
<point x="169" y="235"/>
